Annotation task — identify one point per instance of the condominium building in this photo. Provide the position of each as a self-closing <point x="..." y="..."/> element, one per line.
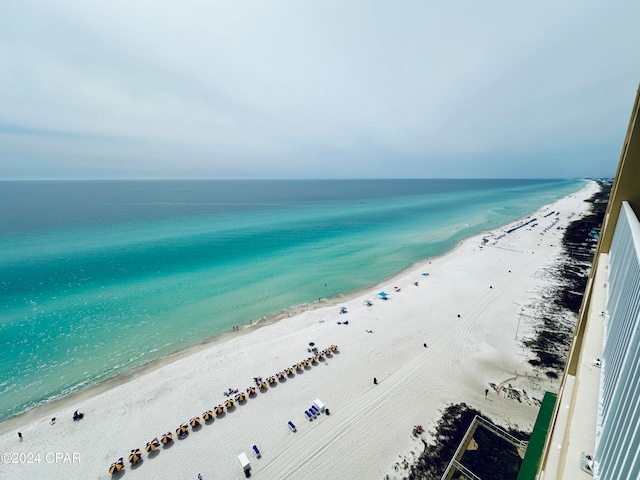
<point x="594" y="429"/>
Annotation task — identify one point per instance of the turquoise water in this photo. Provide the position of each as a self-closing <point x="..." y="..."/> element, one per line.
<point x="98" y="278"/>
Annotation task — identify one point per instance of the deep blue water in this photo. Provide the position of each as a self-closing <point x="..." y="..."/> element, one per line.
<point x="97" y="278"/>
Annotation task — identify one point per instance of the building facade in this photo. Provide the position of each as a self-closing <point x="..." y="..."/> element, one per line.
<point x="617" y="450"/>
<point x="594" y="431"/>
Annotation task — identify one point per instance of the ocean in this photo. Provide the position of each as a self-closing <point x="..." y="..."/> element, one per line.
<point x="99" y="278"/>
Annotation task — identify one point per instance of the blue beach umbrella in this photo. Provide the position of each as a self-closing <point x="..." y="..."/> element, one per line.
<point x="383" y="294"/>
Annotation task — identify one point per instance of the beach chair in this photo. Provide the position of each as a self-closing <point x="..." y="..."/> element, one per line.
<point x="256" y="451"/>
<point x="315" y="409"/>
<point x="313" y="412"/>
<point x="308" y="415"/>
<point x="291" y="426"/>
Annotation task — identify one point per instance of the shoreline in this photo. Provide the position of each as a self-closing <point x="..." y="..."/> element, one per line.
<point x="124" y="378"/>
<point x="91" y="391"/>
<point x="443" y="341"/>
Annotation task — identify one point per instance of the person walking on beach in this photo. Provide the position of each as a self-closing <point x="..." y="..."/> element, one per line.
<point x="20" y="436"/>
<point x="375" y="381"/>
<point x="486" y="392"/>
<point x="199" y="476"/>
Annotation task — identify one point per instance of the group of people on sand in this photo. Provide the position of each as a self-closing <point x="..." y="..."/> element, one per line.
<point x="76" y="416"/>
<point x="230" y="392"/>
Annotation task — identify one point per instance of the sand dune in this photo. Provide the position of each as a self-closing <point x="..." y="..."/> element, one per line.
<point x="370" y="426"/>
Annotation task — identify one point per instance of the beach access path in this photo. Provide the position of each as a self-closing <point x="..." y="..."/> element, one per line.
<point x="468" y="310"/>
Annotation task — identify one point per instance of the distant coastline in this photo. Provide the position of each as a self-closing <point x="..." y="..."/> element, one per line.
<point x="248" y="325"/>
<point x="448" y="338"/>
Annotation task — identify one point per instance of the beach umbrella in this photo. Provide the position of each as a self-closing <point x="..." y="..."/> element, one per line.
<point x="166" y="438"/>
<point x="229" y="403"/>
<point x="240" y="397"/>
<point x="182" y="429"/>
<point x="116" y="466"/>
<point x="208" y="415"/>
<point x="219" y="409"/>
<point x="271" y="380"/>
<point x="383" y="294"/>
<point x="368" y="303"/>
<point x="327" y="351"/>
<point x="334" y="348"/>
<point x="298" y="366"/>
<point x="195" y="421"/>
<point x="311" y="344"/>
<point x="135" y="456"/>
<point x="251" y="390"/>
<point x="320" y="356"/>
<point x="262" y="385"/>
<point x="288" y="371"/>
<point x="280" y="375"/>
<point x="313" y="359"/>
<point x="151" y="446"/>
<point x="306" y="363"/>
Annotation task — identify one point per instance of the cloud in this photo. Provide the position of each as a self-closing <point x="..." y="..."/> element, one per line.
<point x="293" y="89"/>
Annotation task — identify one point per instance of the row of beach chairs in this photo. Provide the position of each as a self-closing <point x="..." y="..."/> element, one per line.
<point x="316" y="409"/>
<point x="312" y="413"/>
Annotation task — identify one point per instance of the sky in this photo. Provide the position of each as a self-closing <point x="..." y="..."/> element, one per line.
<point x="315" y="88"/>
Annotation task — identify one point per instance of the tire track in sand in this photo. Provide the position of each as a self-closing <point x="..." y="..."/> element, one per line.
<point x="476" y="312"/>
<point x="350" y="426"/>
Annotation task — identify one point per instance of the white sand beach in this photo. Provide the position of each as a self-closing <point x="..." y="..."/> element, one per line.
<point x="370" y="426"/>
